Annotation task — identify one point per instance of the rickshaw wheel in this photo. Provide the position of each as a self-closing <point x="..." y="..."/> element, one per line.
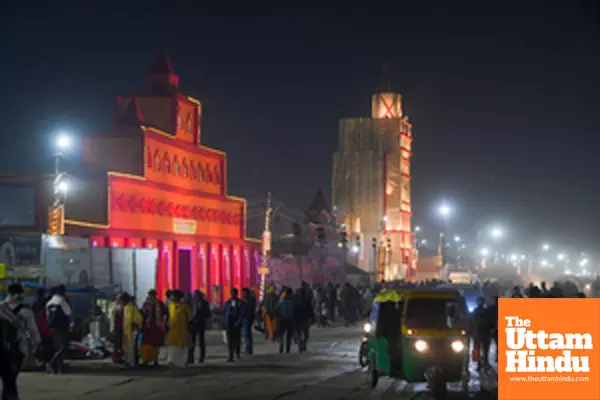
<point x="363" y="356"/>
<point x="373" y="373"/>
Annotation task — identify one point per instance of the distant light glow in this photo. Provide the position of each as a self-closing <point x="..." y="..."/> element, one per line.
<point x="457" y="239"/>
<point x="417" y="228"/>
<point x="513" y="257"/>
<point x="545" y="247"/>
<point x="544" y="263"/>
<point x="63" y="141"/>
<point x="497" y="233"/>
<point x="355" y="249"/>
<point x="423" y="242"/>
<point x="444" y="210"/>
<point x="484" y="252"/>
<point x="561" y="257"/>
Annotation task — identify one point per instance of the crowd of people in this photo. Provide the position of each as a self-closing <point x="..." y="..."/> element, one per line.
<point x="286" y="316"/>
<point x="484" y="329"/>
<point x="180" y="322"/>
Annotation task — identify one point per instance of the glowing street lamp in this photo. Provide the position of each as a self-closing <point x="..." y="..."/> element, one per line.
<point x="417" y="228"/>
<point x="545" y="247"/>
<point x="63" y="187"/>
<point x="484" y="252"/>
<point x="423" y="242"/>
<point x="63" y="142"/>
<point x="497" y="233"/>
<point x="544" y="263"/>
<point x="561" y="257"/>
<point x="457" y="239"/>
<point x="444" y="210"/>
<point x="513" y="257"/>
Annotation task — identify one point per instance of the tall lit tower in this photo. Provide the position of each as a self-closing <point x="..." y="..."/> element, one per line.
<point x="371" y="185"/>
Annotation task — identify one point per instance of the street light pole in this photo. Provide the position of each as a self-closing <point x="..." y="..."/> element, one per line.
<point x="266" y="248"/>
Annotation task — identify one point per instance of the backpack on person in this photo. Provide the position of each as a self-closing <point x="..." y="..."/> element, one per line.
<point x="57" y="317"/>
<point x="9" y="331"/>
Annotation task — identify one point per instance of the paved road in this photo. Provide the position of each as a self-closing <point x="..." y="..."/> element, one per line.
<point x="328" y="371"/>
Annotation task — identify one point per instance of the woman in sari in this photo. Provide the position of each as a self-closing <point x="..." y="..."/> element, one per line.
<point x="117" y="330"/>
<point x="153" y="334"/>
<point x="180" y="315"/>
<point x="132" y="322"/>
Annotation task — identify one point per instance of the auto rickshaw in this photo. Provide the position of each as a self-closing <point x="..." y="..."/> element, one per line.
<point x="418" y="335"/>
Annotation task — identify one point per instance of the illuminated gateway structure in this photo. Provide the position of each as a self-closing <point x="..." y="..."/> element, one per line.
<point x="155" y="186"/>
<point x="371" y="188"/>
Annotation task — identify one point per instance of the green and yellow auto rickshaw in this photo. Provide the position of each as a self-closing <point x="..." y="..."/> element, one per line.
<point x="419" y="335"/>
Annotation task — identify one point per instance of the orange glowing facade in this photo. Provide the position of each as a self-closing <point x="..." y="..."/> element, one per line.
<point x="151" y="184"/>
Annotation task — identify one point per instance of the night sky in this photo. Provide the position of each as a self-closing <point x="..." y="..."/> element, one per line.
<point x="504" y="98"/>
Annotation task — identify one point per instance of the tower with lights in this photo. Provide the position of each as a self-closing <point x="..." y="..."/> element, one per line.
<point x="372" y="186"/>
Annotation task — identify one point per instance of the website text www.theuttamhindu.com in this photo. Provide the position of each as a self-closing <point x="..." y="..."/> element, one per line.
<point x="549" y="379"/>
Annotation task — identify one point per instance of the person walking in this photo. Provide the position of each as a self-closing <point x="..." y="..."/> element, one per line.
<point x="20" y="337"/>
<point x="285" y="312"/>
<point x="483" y="332"/>
<point x="180" y="316"/>
<point x="46" y="351"/>
<point x="58" y="313"/>
<point x="250" y="311"/>
<point x="200" y="315"/>
<point x="10" y="354"/>
<point x="153" y="332"/>
<point x="304" y="316"/>
<point x="233" y="321"/>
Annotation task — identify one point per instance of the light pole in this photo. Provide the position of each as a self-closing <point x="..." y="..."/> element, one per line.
<point x="60" y="187"/>
<point x="445" y="211"/>
<point x="63" y="143"/>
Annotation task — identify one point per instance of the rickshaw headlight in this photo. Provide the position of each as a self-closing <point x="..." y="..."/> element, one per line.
<point x="421" y="346"/>
<point x="367" y="327"/>
<point x="458" y="346"/>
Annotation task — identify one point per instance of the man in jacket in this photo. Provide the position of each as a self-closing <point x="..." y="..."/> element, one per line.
<point x="285" y="312"/>
<point x="200" y="314"/>
<point x="233" y="320"/>
<point x="304" y="316"/>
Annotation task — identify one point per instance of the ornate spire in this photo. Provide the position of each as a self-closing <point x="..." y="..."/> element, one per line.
<point x="162" y="65"/>
<point x="319" y="203"/>
<point x="162" y="76"/>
